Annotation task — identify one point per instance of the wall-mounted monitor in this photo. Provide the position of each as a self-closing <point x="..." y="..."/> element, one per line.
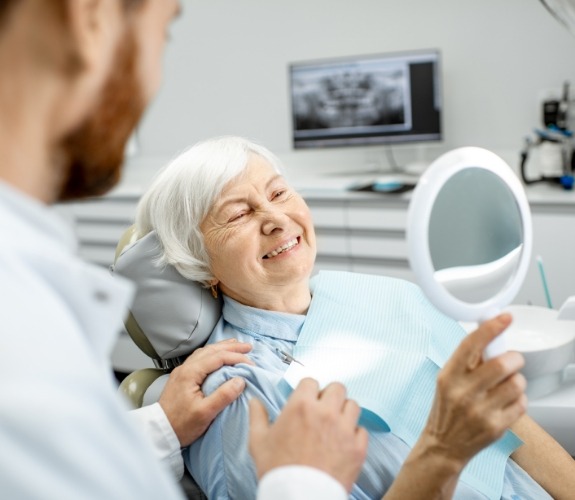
<point x="364" y="100"/>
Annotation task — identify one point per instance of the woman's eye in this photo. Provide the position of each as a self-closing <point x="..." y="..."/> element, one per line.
<point x="278" y="194"/>
<point x="237" y="217"/>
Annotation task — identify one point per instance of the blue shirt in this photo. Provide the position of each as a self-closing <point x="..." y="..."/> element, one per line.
<point x="220" y="461"/>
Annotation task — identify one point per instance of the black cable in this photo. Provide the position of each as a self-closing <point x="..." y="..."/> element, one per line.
<point x="522" y="164"/>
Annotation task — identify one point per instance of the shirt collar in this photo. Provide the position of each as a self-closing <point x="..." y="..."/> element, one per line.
<point x="28" y="215"/>
<point x="41" y="235"/>
<point x="262" y="323"/>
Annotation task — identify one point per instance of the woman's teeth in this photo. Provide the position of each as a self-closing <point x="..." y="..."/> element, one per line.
<point x="277" y="251"/>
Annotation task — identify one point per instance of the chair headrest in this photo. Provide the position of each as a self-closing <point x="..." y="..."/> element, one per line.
<point x="171" y="315"/>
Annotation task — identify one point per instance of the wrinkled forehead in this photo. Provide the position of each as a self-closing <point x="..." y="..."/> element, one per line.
<point x="258" y="174"/>
<point x="258" y="170"/>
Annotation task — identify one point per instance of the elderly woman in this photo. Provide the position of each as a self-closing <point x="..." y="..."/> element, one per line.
<point x="227" y="217"/>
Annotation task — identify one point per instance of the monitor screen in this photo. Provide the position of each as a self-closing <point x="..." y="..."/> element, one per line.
<point x="363" y="100"/>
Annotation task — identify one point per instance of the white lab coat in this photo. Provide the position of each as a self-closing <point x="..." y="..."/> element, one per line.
<point x="64" y="432"/>
<point x="299" y="483"/>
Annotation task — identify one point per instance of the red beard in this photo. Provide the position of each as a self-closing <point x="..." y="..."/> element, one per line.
<point x="94" y="153"/>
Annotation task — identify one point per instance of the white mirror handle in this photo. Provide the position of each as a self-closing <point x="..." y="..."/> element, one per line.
<point x="496" y="347"/>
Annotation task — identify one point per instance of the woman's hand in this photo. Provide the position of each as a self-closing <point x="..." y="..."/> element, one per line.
<point x="188" y="410"/>
<point x="475" y="401"/>
<point x="315" y="428"/>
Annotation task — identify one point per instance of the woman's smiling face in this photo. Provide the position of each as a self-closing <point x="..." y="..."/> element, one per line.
<point x="260" y="239"/>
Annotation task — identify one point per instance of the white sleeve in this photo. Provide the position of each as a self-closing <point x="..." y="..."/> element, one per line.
<point x="299" y="482"/>
<point x="156" y="426"/>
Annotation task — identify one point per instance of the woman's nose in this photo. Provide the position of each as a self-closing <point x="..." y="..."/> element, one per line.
<point x="273" y="221"/>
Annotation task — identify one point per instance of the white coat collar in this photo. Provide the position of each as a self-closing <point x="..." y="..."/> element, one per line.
<point x="46" y="246"/>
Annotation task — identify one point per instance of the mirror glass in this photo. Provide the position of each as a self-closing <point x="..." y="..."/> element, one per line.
<point x="475" y="235"/>
<point x="469" y="235"/>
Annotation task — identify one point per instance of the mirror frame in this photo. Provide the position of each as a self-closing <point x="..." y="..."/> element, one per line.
<point x="417" y="231"/>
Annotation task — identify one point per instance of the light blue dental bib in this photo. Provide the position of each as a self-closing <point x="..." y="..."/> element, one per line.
<point x="384" y="341"/>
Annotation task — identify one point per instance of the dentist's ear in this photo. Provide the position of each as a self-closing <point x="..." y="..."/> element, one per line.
<point x="83" y="48"/>
<point x="95" y="26"/>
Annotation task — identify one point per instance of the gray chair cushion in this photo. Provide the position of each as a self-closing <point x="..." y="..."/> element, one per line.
<point x="176" y="315"/>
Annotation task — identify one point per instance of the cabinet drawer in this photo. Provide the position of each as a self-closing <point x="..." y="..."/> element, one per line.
<point x="108" y="210"/>
<point x="102" y="255"/>
<point x="393" y="270"/>
<point x="377" y="217"/>
<point x="377" y="247"/>
<point x="100" y="232"/>
<point x="325" y="215"/>
<point x="328" y="263"/>
<point x="332" y="244"/>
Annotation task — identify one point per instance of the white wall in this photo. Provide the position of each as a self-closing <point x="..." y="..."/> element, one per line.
<point x="226" y="71"/>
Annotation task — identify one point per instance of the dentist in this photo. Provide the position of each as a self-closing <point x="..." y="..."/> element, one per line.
<point x="75" y="77"/>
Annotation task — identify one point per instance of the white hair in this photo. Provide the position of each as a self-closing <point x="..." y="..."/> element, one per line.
<point x="182" y="194"/>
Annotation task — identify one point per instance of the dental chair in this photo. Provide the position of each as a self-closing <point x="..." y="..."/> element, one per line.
<point x="170" y="317"/>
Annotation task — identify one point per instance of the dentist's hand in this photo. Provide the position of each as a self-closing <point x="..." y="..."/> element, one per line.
<point x="315" y="428"/>
<point x="188" y="410"/>
<point x="476" y="401"/>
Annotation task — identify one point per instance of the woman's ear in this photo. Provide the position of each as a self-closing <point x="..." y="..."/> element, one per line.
<point x="214" y="287"/>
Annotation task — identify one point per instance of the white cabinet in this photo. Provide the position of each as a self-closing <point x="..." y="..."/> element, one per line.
<point x="554" y="241"/>
<point x="99" y="224"/>
<point x="360" y="232"/>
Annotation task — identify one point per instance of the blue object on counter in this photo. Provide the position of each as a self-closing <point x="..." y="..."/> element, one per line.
<point x="385" y="187"/>
<point x="566" y="181"/>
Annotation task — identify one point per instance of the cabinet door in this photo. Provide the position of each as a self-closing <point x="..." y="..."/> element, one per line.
<point x="377" y="215"/>
<point x="554" y="241"/>
<point x="377" y="236"/>
<point x="394" y="269"/>
<point x="100" y="223"/>
<point x="331" y="235"/>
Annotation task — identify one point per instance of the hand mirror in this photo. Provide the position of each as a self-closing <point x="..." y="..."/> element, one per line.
<point x="469" y="236"/>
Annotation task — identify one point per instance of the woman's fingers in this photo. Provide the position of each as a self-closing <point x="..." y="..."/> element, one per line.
<point x="497" y="370"/>
<point x="469" y="354"/>
<point x="508" y="391"/>
<point x="477" y="401"/>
